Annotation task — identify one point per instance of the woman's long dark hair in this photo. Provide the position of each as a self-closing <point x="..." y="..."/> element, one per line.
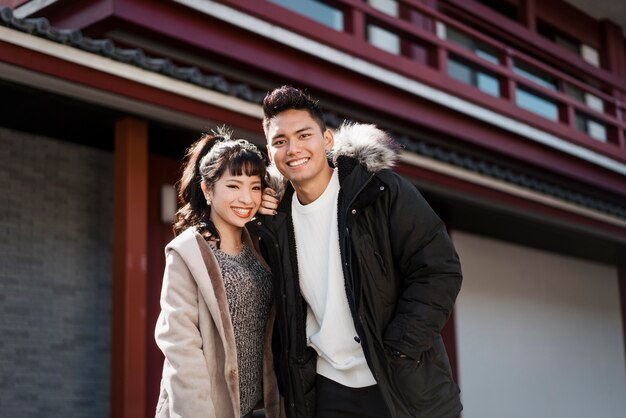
<point x="206" y="160"/>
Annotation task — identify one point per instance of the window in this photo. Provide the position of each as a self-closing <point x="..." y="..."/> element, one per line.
<point x="536" y="103"/>
<point x="591" y="127"/>
<point x="590" y="55"/>
<point x="586" y="52"/>
<point x="534" y="74"/>
<point x="315" y="10"/>
<point x="457" y="37"/>
<point x="383" y="39"/>
<point x="389" y="7"/>
<point x="593" y="102"/>
<point x="465" y="73"/>
<point x="548" y="31"/>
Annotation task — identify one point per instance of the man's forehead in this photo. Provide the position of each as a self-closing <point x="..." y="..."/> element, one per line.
<point x="292" y="120"/>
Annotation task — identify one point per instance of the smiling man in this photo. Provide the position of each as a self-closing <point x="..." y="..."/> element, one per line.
<point x="298" y="146"/>
<point x="365" y="275"/>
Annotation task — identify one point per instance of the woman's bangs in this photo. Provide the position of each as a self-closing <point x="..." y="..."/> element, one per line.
<point x="246" y="163"/>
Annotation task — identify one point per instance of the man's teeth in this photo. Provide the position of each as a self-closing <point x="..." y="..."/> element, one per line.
<point x="297" y="162"/>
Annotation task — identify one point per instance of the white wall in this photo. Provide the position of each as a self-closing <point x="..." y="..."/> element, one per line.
<point x="538" y="334"/>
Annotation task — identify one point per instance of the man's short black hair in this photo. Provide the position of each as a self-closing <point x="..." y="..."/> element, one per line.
<point x="286" y="98"/>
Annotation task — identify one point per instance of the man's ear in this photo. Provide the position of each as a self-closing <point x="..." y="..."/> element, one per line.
<point x="329" y="139"/>
<point x="269" y="152"/>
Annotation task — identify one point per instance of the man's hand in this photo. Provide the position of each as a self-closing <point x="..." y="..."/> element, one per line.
<point x="269" y="202"/>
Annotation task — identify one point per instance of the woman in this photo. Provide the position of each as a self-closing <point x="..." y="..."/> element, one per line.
<point x="215" y="323"/>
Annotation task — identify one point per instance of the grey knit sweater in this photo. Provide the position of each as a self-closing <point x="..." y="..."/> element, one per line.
<point x="249" y="293"/>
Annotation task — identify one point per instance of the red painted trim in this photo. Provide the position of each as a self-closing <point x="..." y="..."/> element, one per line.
<point x="519" y="36"/>
<point x="112" y="84"/>
<point x="406" y="66"/>
<point x="494" y="197"/>
<point x="613" y="51"/>
<point x="355" y="21"/>
<point x="141" y="12"/>
<point x="527" y="14"/>
<point x="78" y="14"/>
<point x="570" y="21"/>
<point x="342" y="85"/>
<point x="286" y="64"/>
<point x="128" y="342"/>
<point x="13" y="3"/>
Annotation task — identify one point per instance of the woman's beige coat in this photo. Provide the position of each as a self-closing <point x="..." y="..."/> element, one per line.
<point x="195" y="333"/>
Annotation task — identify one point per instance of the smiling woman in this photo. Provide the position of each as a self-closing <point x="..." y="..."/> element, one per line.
<point x="215" y="322"/>
<point x="234" y="200"/>
<point x="230" y="178"/>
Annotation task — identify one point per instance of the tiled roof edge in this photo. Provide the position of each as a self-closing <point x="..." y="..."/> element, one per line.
<point x="508" y="175"/>
<point x="106" y="47"/>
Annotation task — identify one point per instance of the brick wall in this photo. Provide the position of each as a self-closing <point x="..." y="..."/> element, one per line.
<point x="56" y="214"/>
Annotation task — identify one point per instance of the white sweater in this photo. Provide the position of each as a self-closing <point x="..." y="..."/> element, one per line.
<point x="329" y="328"/>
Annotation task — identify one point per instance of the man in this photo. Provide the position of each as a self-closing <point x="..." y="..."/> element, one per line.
<point x="365" y="273"/>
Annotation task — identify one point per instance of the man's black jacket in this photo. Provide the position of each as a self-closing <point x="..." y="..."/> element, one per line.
<point x="402" y="276"/>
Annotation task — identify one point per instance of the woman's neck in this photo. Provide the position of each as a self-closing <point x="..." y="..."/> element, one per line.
<point x="230" y="239"/>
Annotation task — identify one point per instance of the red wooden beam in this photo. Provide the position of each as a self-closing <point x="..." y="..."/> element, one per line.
<point x="342" y="85"/>
<point x="12" y="3"/>
<point x="613" y="48"/>
<point x="130" y="229"/>
<point x="528" y="14"/>
<point x="79" y="14"/>
<point x="493" y="197"/>
<point x="289" y="66"/>
<point x="68" y="71"/>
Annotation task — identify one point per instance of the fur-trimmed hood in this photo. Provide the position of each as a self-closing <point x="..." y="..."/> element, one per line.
<point x="370" y="146"/>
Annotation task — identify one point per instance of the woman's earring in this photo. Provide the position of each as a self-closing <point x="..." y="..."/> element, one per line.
<point x="208" y="202"/>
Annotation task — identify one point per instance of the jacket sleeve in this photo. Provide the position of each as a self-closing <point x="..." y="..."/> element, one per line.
<point x="185" y="375"/>
<point x="429" y="266"/>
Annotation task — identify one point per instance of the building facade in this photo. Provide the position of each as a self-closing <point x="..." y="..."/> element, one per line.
<point x="512" y="117"/>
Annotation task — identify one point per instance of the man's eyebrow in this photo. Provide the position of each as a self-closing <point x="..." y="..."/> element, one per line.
<point x="282" y="135"/>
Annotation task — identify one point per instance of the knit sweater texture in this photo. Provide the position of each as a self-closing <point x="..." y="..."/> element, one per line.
<point x="249" y="293"/>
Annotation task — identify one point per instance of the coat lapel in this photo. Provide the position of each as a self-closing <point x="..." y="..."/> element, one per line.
<point x="211" y="286"/>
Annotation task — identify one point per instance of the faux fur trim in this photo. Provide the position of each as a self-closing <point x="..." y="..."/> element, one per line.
<point x="369" y="145"/>
<point x="276" y="181"/>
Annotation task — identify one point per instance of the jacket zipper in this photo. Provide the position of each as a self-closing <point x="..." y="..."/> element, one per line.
<point x="348" y="273"/>
<point x="275" y="250"/>
<point x="300" y="315"/>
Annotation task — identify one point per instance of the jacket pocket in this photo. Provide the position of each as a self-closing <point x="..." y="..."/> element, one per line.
<point x="419" y="383"/>
<point x="306" y="377"/>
